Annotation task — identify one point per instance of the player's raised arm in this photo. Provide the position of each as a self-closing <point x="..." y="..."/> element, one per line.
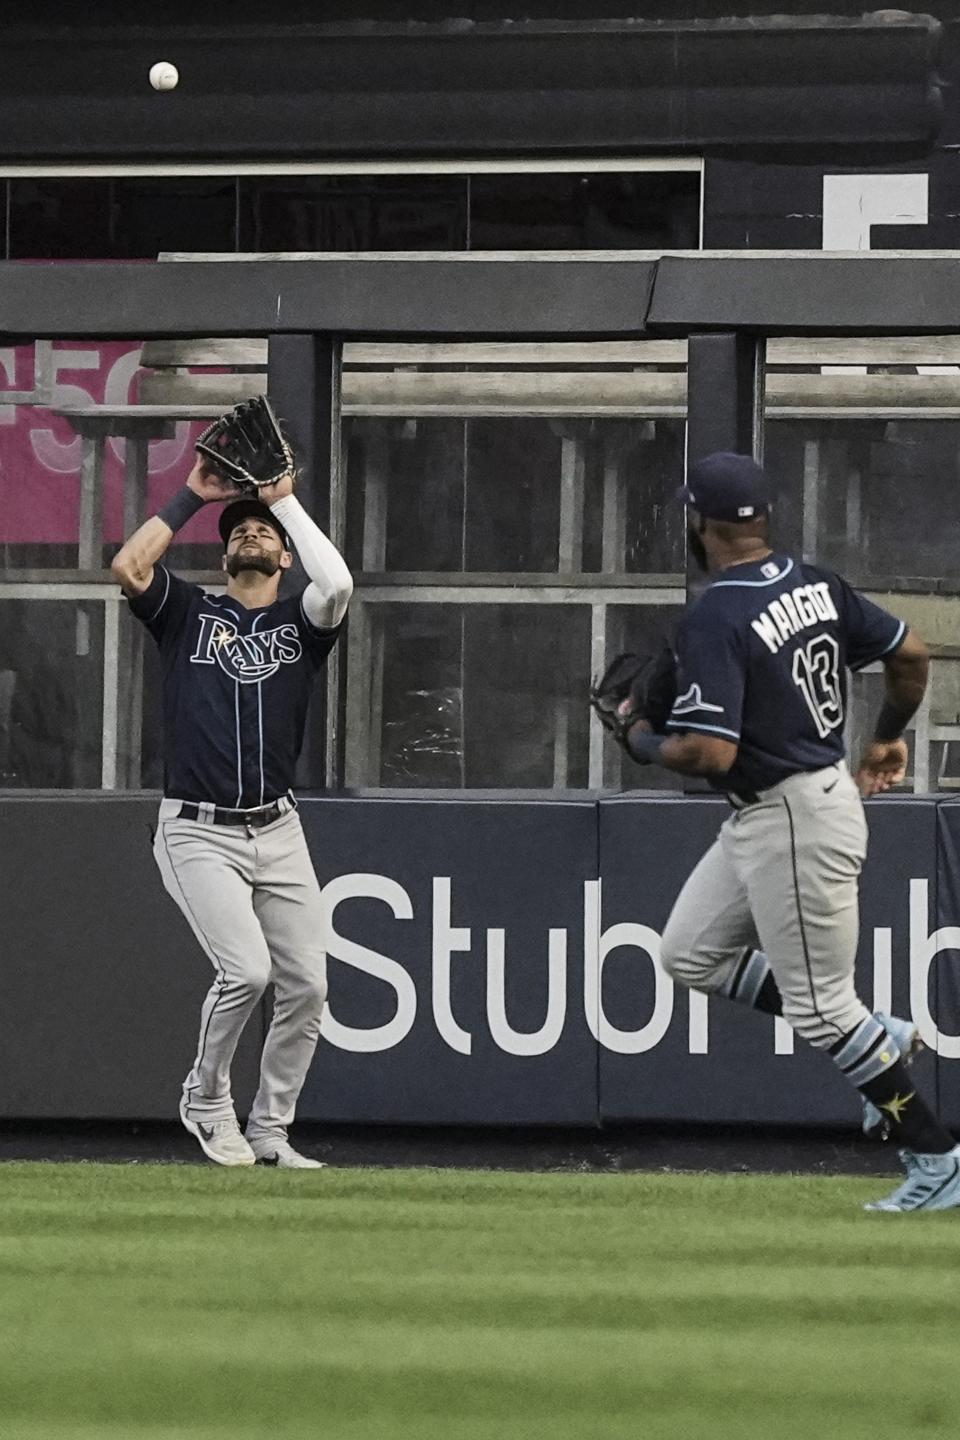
<point x="132" y="566"/>
<point x="326" y="598"/>
<point x="884" y="761"/>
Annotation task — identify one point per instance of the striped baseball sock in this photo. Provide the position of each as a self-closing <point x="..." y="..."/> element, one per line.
<point x="751" y="982"/>
<point x="870" y="1059"/>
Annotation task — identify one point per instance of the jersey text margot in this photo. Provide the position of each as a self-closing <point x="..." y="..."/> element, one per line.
<point x="793" y="611"/>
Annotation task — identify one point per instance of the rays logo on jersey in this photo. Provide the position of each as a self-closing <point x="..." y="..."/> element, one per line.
<point x="247" y="658"/>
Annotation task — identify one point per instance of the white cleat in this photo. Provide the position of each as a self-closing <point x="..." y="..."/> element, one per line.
<point x="932" y="1183"/>
<point x="281" y="1154"/>
<point x="221" y="1140"/>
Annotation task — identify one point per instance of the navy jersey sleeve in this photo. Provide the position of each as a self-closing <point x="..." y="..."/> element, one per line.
<point x="871" y="632"/>
<point x="317" y="642"/>
<point x="711" y="676"/>
<point x="164" y="604"/>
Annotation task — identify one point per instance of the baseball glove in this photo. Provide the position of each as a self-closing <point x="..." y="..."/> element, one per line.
<point x="636" y="687"/>
<point x="246" y="446"/>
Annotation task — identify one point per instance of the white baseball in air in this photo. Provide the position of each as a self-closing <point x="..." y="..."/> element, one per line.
<point x="164" y="76"/>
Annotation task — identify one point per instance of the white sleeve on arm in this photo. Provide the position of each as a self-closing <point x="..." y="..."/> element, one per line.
<point x="326" y="598"/>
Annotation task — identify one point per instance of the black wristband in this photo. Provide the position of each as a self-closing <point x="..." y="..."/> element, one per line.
<point x="643" y="746"/>
<point x="178" y="511"/>
<point x="890" y="723"/>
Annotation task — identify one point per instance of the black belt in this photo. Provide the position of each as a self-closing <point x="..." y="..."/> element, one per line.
<point x="740" y="799"/>
<point x="263" y="815"/>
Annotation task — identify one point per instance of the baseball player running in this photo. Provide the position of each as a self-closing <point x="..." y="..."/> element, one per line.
<point x="769" y="917"/>
<point x="238" y="669"/>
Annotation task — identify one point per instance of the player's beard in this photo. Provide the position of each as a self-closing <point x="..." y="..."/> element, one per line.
<point x="697" y="549"/>
<point x="257" y="560"/>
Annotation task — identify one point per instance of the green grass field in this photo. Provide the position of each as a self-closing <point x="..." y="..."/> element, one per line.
<point x="159" y="1302"/>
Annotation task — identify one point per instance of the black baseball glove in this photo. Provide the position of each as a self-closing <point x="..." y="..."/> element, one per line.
<point x="246" y="446"/>
<point x="636" y="687"/>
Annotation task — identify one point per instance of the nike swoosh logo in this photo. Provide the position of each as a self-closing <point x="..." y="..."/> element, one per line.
<point x="205" y="1130"/>
<point x="828" y="788"/>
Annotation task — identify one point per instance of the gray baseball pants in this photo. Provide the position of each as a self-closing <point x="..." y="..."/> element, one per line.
<point x="782" y="877"/>
<point x="252" y="899"/>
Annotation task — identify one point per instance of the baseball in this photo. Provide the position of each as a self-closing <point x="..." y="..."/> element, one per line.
<point x="164" y="76"/>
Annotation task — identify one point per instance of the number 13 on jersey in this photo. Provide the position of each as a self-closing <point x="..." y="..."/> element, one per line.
<point x="816" y="672"/>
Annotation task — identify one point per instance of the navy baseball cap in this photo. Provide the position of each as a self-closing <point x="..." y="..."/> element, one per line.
<point x="232" y="514"/>
<point x="727" y="486"/>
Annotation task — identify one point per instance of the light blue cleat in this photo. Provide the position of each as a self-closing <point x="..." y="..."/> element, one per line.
<point x="907" y="1037"/>
<point x="932" y="1183"/>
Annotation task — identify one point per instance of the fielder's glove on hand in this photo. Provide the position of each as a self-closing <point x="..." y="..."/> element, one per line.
<point x="246" y="446"/>
<point x="636" y="687"/>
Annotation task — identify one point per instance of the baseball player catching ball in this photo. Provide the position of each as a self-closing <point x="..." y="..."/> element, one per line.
<point x="238" y="669"/>
<point x="769" y="917"/>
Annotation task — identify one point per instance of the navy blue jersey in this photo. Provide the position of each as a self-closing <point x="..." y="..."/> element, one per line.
<point x="762" y="660"/>
<point x="236" y="684"/>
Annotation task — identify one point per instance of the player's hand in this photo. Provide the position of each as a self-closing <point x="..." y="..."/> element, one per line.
<point x="283" y="486"/>
<point x="884" y="765"/>
<point x="208" y="486"/>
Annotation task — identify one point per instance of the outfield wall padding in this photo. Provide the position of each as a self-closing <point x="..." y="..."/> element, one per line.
<point x="935" y="956"/>
<point x="454" y="1013"/>
<point x="492" y="960"/>
<point x="102" y="978"/>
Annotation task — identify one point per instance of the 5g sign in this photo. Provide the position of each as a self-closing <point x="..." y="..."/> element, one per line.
<point x="82" y="374"/>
